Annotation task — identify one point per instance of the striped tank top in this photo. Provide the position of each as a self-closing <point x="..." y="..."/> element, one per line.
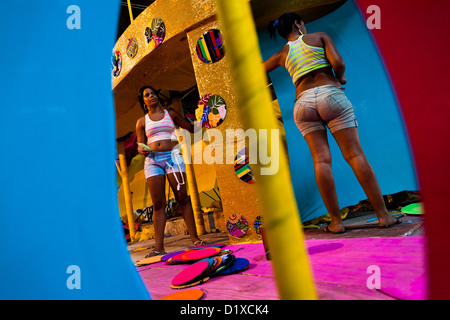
<point x="163" y="129"/>
<point x="302" y="59"/>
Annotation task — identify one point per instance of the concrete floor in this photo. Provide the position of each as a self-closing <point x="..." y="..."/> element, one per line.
<point x="356" y="227"/>
<point x="338" y="263"/>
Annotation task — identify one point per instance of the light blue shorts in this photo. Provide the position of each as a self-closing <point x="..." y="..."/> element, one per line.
<point x="321" y="107"/>
<point x="163" y="162"/>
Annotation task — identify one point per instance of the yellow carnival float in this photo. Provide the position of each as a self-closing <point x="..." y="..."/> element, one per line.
<point x="212" y="46"/>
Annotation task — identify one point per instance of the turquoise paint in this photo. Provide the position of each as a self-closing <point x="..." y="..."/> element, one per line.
<point x="381" y="127"/>
<point x="60" y="231"/>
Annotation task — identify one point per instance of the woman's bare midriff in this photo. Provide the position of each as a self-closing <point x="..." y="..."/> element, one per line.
<point x="319" y="77"/>
<point x="163" y="145"/>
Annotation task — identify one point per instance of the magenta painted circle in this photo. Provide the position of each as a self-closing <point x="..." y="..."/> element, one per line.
<point x="190" y="273"/>
<point x="170" y="255"/>
<point x="192" y="255"/>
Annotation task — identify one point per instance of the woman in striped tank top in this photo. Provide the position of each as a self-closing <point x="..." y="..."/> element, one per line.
<point x="157" y="130"/>
<point x="317" y="71"/>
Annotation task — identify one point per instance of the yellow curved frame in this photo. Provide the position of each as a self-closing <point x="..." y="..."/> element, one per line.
<point x="281" y="218"/>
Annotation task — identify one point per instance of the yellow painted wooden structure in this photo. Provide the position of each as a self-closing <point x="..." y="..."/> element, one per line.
<point x="239" y="79"/>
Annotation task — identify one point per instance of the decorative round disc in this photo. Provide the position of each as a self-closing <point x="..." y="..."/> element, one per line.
<point x="211" y="110"/>
<point x="237" y="225"/>
<point x="242" y="166"/>
<point x="210" y="46"/>
<point x="116" y="61"/>
<point x="155" y="32"/>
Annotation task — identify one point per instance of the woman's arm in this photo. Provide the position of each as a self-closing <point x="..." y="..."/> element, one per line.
<point x="141" y="137"/>
<point x="180" y="121"/>
<point x="276" y="60"/>
<point x="332" y="54"/>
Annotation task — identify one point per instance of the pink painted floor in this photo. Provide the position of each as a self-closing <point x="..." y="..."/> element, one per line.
<point x="340" y="269"/>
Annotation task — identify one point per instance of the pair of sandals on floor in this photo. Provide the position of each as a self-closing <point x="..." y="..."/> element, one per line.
<point x="155" y="253"/>
<point x="397" y="221"/>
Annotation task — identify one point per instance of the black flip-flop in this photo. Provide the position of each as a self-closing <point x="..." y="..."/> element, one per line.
<point x="397" y="221"/>
<point x="329" y="231"/>
<point x="155" y="253"/>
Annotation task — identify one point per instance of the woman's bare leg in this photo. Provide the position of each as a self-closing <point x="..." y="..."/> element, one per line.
<point x="185" y="205"/>
<point x="156" y="186"/>
<point x="321" y="155"/>
<point x="348" y="141"/>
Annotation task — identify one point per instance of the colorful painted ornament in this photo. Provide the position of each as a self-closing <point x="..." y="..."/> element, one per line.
<point x="192" y="274"/>
<point x="193" y="255"/>
<point x="210" y="46"/>
<point x="190" y="294"/>
<point x="225" y="262"/>
<point x="132" y="47"/>
<point x="242" y="167"/>
<point x="170" y="255"/>
<point x="156" y="32"/>
<point x="413" y="209"/>
<point x="211" y="110"/>
<point x="204" y="246"/>
<point x="257" y="224"/>
<point x="147" y="261"/>
<point x="116" y="63"/>
<point x="237" y="225"/>
<point x="239" y="264"/>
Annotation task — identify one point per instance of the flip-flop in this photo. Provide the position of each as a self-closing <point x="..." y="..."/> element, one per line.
<point x="199" y="243"/>
<point x="329" y="231"/>
<point x="155" y="253"/>
<point x="397" y="221"/>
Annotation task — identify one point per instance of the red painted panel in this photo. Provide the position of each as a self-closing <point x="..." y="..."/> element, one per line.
<point x="413" y="42"/>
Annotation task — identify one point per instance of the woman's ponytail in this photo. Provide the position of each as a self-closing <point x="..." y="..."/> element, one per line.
<point x="272" y="27"/>
<point x="283" y="24"/>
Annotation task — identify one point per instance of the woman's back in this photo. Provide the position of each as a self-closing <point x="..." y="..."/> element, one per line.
<point x="307" y="62"/>
<point x="310" y="60"/>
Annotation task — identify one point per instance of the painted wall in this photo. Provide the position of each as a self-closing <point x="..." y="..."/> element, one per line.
<point x="380" y="123"/>
<point x="421" y="88"/>
<point x="58" y="190"/>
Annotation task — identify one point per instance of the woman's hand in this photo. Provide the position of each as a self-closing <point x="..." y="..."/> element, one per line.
<point x="140" y="133"/>
<point x="143" y="151"/>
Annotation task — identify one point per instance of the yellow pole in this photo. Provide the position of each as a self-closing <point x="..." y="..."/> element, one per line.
<point x="192" y="185"/>
<point x="195" y="199"/>
<point x="281" y="218"/>
<point x="130" y="11"/>
<point x="190" y="173"/>
<point x="122" y="167"/>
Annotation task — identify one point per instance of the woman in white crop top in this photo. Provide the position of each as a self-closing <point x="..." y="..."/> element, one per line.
<point x="157" y="130"/>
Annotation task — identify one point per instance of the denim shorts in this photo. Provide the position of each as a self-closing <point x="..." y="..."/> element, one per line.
<point x="163" y="162"/>
<point x="321" y="107"/>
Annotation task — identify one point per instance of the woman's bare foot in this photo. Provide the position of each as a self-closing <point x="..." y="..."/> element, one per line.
<point x="387" y="221"/>
<point x="335" y="227"/>
<point x="198" y="242"/>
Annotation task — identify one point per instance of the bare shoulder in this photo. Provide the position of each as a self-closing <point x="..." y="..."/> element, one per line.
<point x="281" y="55"/>
<point x="173" y="114"/>
<point x="315" y="39"/>
<point x="318" y="34"/>
<point x="140" y="122"/>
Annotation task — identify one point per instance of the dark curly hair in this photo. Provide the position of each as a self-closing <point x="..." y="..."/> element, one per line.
<point x="165" y="101"/>
<point x="283" y="24"/>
